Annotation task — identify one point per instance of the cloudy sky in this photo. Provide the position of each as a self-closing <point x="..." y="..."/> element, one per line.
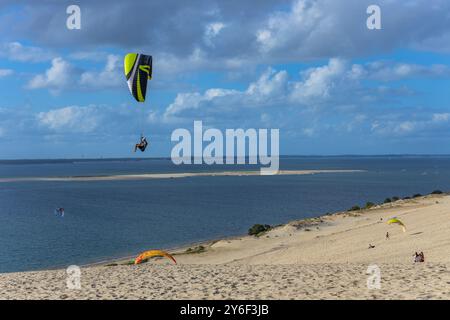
<point x="311" y="68"/>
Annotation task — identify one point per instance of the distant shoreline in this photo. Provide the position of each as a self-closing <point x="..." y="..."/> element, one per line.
<point x="125" y="159"/>
<point x="174" y="175"/>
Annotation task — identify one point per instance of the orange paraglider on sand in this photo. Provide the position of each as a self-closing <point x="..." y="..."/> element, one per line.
<point x="153" y="253"/>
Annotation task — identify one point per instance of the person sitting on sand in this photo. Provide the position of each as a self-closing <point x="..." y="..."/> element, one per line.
<point x="419" y="257"/>
<point x="371" y="246"/>
<point x="141" y="145"/>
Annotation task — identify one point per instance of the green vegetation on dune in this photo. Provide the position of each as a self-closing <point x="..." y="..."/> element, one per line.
<point x="258" y="229"/>
<point x="197" y="249"/>
<point x="390" y="200"/>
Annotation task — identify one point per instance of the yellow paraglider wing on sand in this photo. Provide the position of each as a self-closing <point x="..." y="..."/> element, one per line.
<point x="153" y="253"/>
<point x="397" y="221"/>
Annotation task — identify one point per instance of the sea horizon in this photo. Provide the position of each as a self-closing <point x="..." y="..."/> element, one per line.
<point x="4" y="160"/>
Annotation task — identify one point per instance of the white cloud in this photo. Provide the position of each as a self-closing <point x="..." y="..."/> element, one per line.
<point x="211" y="31"/>
<point x="17" y="52"/>
<point x="189" y="101"/>
<point x="395" y="128"/>
<point x="55" y="78"/>
<point x="406" y="126"/>
<point x="226" y="32"/>
<point x="388" y="71"/>
<point x="417" y="124"/>
<point x="5" y="72"/>
<point x="278" y="32"/>
<point x="333" y="97"/>
<point x="318" y="82"/>
<point x="273" y="89"/>
<point x="111" y="76"/>
<point x="441" y="117"/>
<point x="271" y="85"/>
<point x="96" y="56"/>
<point x="172" y="65"/>
<point x="63" y="75"/>
<point x="70" y="119"/>
<point x="357" y="72"/>
<point x="265" y="38"/>
<point x="336" y="82"/>
<point x="309" y="132"/>
<point x="79" y="122"/>
<point x="314" y="29"/>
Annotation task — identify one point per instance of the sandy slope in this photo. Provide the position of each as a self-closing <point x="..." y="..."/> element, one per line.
<point x="345" y="237"/>
<point x="316" y="281"/>
<point x="323" y="258"/>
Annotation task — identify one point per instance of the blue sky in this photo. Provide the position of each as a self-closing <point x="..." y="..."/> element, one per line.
<point x="308" y="67"/>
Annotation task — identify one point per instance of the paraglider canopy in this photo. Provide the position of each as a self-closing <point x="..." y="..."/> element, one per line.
<point x="397" y="221"/>
<point x="153" y="253"/>
<point x="138" y="70"/>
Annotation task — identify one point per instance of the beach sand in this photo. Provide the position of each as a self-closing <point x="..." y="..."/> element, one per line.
<point x="173" y="175"/>
<point x="320" y="258"/>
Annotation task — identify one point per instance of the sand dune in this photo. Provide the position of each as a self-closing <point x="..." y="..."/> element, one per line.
<point x="174" y="175"/>
<point x="154" y="281"/>
<point x="321" y="258"/>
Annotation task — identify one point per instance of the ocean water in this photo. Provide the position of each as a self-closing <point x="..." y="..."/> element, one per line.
<point x="111" y="219"/>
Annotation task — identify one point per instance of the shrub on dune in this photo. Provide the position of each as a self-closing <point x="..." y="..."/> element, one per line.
<point x="258" y="229"/>
<point x="198" y="249"/>
<point x="369" y="205"/>
<point x="354" y="208"/>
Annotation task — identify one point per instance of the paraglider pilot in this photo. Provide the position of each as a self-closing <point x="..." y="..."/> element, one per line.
<point x="141" y="145"/>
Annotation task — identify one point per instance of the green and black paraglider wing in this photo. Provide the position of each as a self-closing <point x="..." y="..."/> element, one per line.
<point x="138" y="70"/>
